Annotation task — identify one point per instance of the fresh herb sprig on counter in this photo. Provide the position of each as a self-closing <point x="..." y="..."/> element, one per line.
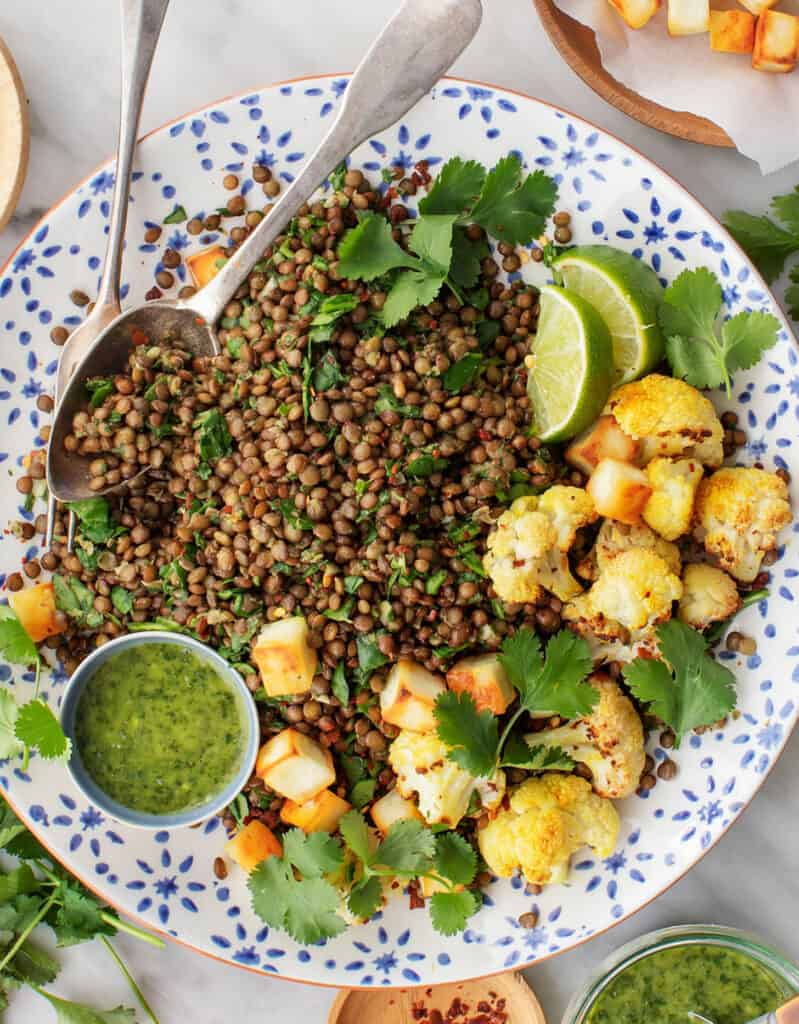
<point x="770" y="245"/>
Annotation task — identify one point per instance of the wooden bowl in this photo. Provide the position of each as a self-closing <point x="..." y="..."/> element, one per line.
<point x="396" y="1006"/>
<point x="576" y="43"/>
<point x="14" y="135"/>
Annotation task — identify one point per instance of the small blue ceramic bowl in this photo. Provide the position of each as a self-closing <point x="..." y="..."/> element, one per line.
<point x="192" y="815"/>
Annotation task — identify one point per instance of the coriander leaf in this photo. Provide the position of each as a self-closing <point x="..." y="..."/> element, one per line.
<point x="435" y="582"/>
<point x="177" y="216"/>
<point x="342" y="614"/>
<point x="9" y="710"/>
<point x="455" y="858"/>
<point x="431" y="240"/>
<point x="746" y="337"/>
<point x="94" y="517"/>
<point x="512" y="210"/>
<point x="462" y="372"/>
<point x="472" y="735"/>
<point x="370" y="657"/>
<point x="77" y="1013"/>
<point x="79" y="917"/>
<point x="339" y="685"/>
<point x="449" y="911"/>
<point x="363" y="793"/>
<point x="15" y="644"/>
<point x="122" y="600"/>
<point x="787" y="209"/>
<point x="557" y="685"/>
<point x="792" y="294"/>
<point x="10" y="825"/>
<point x="26" y="847"/>
<point x="334" y="307"/>
<point x="32" y="966"/>
<point x="365" y="898"/>
<point x="369" y="251"/>
<point x="425" y="465"/>
<point x="695" y="361"/>
<point x="695" y="691"/>
<point x="313" y="855"/>
<point x="352" y="584"/>
<point x="214" y="436"/>
<point x="270" y="885"/>
<point x="412" y="288"/>
<point x="99" y="388"/>
<point x="457" y="187"/>
<point x="517" y="754"/>
<point x="408" y="849"/>
<point x="355" y="834"/>
<point x="76" y="600"/>
<point x="18" y="882"/>
<point x="311" y="913"/>
<point x="691" y="304"/>
<point x="327" y="373"/>
<point x="37" y="726"/>
<point x="464" y="269"/>
<point x="354" y="768"/>
<point x="767" y="244"/>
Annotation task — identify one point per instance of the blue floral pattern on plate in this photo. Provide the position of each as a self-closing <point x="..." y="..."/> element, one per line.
<point x="166" y="879"/>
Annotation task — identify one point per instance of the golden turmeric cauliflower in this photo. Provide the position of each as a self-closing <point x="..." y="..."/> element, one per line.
<point x="742" y="511"/>
<point x="527" y="547"/>
<point x="549" y="818"/>
<point x="708" y="595"/>
<point x="615" y="537"/>
<point x="670" y="507"/>
<point x="668" y="417"/>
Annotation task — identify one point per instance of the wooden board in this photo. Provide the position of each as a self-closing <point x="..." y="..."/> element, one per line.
<point x="576" y="43"/>
<point x="14" y="135"/>
<point x="396" y="1006"/>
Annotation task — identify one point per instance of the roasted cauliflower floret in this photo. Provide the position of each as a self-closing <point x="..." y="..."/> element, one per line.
<point x="609" y="741"/>
<point x="668" y="417"/>
<point x="670" y="507"/>
<point x="742" y="511"/>
<point x="549" y="818"/>
<point x="423" y="770"/>
<point x="614" y="538"/>
<point x="527" y="547"/>
<point x="708" y="595"/>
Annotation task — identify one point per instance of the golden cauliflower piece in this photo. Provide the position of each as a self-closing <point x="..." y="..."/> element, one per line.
<point x="742" y="511"/>
<point x="443" y="789"/>
<point x="527" y="547"/>
<point x="609" y="741"/>
<point x="615" y="537"/>
<point x="670" y="507"/>
<point x="708" y="595"/>
<point x="668" y="417"/>
<point x="549" y="818"/>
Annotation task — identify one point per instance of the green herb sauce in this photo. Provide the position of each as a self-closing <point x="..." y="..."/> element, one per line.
<point x="720" y="984"/>
<point x="158" y="729"/>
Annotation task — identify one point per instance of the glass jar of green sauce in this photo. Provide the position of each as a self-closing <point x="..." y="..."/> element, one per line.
<point x="723" y="974"/>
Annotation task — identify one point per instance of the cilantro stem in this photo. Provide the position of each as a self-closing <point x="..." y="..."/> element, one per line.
<point x="131" y="980"/>
<point x="38" y="678"/>
<point x="43" y="912"/>
<point x="455" y="290"/>
<point x="131" y="929"/>
<point x="514" y="718"/>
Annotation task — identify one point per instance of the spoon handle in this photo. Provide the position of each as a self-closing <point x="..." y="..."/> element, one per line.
<point x="141" y="26"/>
<point x="412" y="52"/>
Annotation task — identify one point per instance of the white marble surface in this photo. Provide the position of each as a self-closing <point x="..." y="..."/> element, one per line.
<point x="67" y="53"/>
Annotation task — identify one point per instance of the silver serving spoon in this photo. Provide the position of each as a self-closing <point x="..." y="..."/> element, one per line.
<point x="412" y="52"/>
<point x="788" y="1013"/>
<point x="141" y="27"/>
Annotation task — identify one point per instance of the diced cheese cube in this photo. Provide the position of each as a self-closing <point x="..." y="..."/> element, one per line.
<point x="757" y="7"/>
<point x="636" y="13"/>
<point x="620" y="491"/>
<point x="604" y="440"/>
<point x="409" y="696"/>
<point x="253" y="844"/>
<point x="295" y="766"/>
<point x="36" y="609"/>
<point x="393" y="807"/>
<point x="285" y="659"/>
<point x="688" y="17"/>
<point x="485" y="679"/>
<point x="732" y="31"/>
<point x="776" y="46"/>
<point x="321" y="814"/>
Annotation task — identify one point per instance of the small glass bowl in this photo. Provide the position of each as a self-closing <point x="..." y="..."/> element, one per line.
<point x="784" y="973"/>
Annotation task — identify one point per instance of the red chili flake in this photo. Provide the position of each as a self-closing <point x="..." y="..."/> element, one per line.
<point x="483" y="435"/>
<point x="138" y="337"/>
<point x="154" y="293"/>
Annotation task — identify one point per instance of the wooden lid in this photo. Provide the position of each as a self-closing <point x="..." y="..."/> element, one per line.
<point x="507" y="992"/>
<point x="14" y="135"/>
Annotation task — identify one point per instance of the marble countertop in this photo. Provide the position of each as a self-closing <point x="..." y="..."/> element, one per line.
<point x="67" y="54"/>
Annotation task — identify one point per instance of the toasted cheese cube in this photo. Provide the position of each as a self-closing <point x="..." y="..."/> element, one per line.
<point x="206" y="264"/>
<point x="604" y="440"/>
<point x="295" y="766"/>
<point x="321" y="814"/>
<point x="732" y="31"/>
<point x="393" y="807"/>
<point x="620" y="491"/>
<point x="36" y="610"/>
<point x="636" y="13"/>
<point x="430" y="886"/>
<point x="285" y="659"/>
<point x="253" y="844"/>
<point x="409" y="696"/>
<point x="485" y="679"/>
<point x="776" y="46"/>
<point x="757" y="7"/>
<point x="688" y="17"/>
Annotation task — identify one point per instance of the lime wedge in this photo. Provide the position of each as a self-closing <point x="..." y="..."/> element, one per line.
<point x="570" y="366"/>
<point x="626" y="293"/>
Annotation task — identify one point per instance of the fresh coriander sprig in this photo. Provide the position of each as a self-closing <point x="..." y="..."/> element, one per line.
<point x="698" y="349"/>
<point x="768" y="244"/>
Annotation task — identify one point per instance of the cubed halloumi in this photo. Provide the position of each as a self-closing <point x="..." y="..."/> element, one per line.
<point x="36" y="610"/>
<point x="688" y="17"/>
<point x="604" y="440"/>
<point x="776" y="46"/>
<point x="409" y="696"/>
<point x="295" y="766"/>
<point x="620" y="491"/>
<point x="393" y="807"/>
<point x="253" y="844"/>
<point x="636" y="13"/>
<point x="732" y="31"/>
<point x="320" y="814"/>
<point x="757" y="7"/>
<point x="285" y="659"/>
<point x="484" y="678"/>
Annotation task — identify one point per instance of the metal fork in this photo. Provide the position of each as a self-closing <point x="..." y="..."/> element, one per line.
<point x="141" y="27"/>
